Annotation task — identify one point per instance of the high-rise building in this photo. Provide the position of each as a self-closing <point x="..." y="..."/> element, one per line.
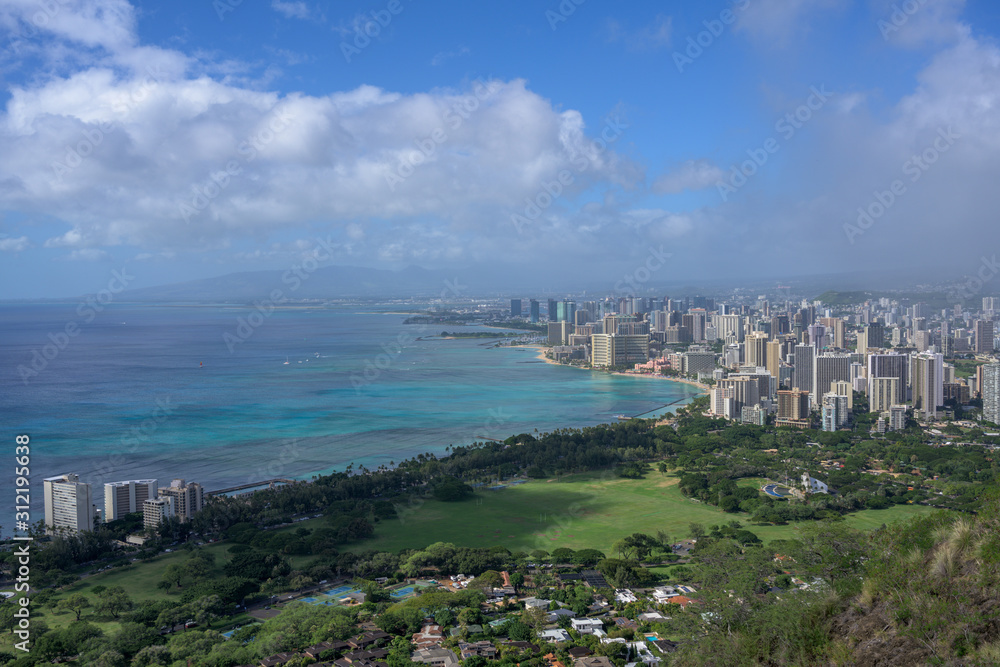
<point x="991" y="392"/>
<point x="533" y="308"/>
<point x="802" y="375"/>
<point x="774" y="359"/>
<point x="984" y="337"/>
<point x="897" y="417"/>
<point x="890" y="365"/>
<point x="121" y="498"/>
<point x="883" y="393"/>
<point x="756" y="350"/>
<point x="722" y="402"/>
<point x="818" y="337"/>
<point x="156" y="510"/>
<point x="699" y="317"/>
<point x="844" y="388"/>
<point x="745" y="391"/>
<point x="872" y="337"/>
<point x="927" y="380"/>
<point x="515" y="308"/>
<point x="618" y="350"/>
<point x="834" y="330"/>
<point x="68" y="504"/>
<point x="793" y="408"/>
<point x="188" y="498"/>
<point x="698" y="361"/>
<point x="551" y="310"/>
<point x="559" y="332"/>
<point x="730" y="328"/>
<point x="829" y="368"/>
<point x="835" y="411"/>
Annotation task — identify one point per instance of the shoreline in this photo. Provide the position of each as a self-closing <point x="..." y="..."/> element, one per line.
<point x="702" y="387"/>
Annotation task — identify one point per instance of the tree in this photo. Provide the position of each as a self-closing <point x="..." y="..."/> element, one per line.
<point x="114" y="601"/>
<point x="696" y="530"/>
<point x="173" y="574"/>
<point x="75" y="603"/>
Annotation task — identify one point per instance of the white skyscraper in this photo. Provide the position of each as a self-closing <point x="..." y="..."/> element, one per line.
<point x="991" y="392"/>
<point x="121" y="498"/>
<point x="835" y="411"/>
<point x="68" y="504"/>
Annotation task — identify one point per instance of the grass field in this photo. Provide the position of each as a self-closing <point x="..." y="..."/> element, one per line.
<point x="578" y="511"/>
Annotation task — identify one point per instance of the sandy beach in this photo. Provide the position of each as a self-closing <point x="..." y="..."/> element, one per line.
<point x="693" y="383"/>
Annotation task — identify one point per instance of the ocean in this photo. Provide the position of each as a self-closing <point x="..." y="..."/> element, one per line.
<point x="204" y="393"/>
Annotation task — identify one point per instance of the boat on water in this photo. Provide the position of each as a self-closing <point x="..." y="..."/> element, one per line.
<point x="286" y="362"/>
<point x="622" y="417"/>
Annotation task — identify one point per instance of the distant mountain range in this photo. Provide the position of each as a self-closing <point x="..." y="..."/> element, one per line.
<point x="343" y="282"/>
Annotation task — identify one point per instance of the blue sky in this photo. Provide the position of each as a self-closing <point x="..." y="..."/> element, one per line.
<point x="192" y="139"/>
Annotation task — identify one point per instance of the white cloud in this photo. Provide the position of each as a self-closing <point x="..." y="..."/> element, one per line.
<point x="776" y="22"/>
<point x="291" y="10"/>
<point x="692" y="175"/>
<point x="118" y="158"/>
<point x="14" y="245"/>
<point x="88" y="255"/>
<point x="444" y="56"/>
<point x="930" y="23"/>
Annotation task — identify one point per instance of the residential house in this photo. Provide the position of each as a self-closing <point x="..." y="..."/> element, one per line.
<point x="587" y="626"/>
<point x="429" y="635"/>
<point x="556" y="635"/>
<point x="536" y="603"/>
<point x="436" y="657"/>
<point x="593" y="661"/>
<point x="484" y="648"/>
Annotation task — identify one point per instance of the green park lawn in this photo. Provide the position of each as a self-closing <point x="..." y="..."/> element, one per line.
<point x="577" y="511"/>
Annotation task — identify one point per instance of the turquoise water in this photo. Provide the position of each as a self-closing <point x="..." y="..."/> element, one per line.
<point x="154" y="391"/>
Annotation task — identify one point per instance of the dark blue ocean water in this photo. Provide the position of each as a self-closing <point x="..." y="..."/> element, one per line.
<point x="155" y="391"/>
